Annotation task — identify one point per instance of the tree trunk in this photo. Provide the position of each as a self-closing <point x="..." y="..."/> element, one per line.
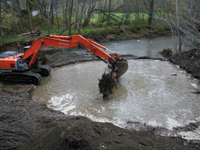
<point x="104" y="11"/>
<point x="109" y="10"/>
<point x="0" y="21"/>
<point x="80" y="22"/>
<point x="151" y="11"/>
<point x="51" y="10"/>
<point x="137" y="14"/>
<point x="62" y="3"/>
<point x="42" y="7"/>
<point x="66" y="13"/>
<point x="177" y="27"/>
<point x="149" y="5"/>
<point x="89" y="13"/>
<point x="70" y="5"/>
<point x="57" y="17"/>
<point x="29" y="14"/>
<point x="20" y="16"/>
<point x="1" y="31"/>
<point x="77" y="16"/>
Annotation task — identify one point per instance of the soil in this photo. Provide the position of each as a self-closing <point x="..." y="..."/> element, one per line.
<point x="189" y="60"/>
<point x="29" y="125"/>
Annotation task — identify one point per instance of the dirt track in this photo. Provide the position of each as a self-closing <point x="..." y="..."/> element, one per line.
<point x="25" y="124"/>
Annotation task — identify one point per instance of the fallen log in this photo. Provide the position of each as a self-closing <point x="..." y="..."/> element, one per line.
<point x="28" y="33"/>
<point x="23" y="34"/>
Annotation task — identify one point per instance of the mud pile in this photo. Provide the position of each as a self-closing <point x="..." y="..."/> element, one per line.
<point x="83" y="134"/>
<point x="20" y="116"/>
<point x="188" y="60"/>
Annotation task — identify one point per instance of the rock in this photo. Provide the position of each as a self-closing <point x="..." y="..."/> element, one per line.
<point x="167" y="53"/>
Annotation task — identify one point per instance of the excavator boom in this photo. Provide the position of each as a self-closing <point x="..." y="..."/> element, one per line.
<point x="65" y="41"/>
<point x="18" y="62"/>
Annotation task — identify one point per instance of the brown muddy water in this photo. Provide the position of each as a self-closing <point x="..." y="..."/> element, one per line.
<point x="148" y="93"/>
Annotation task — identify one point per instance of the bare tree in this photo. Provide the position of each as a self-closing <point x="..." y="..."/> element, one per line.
<point x="29" y="14"/>
<point x="1" y="32"/>
<point x="66" y="13"/>
<point x="137" y="13"/>
<point x="51" y="11"/>
<point x="149" y="5"/>
<point x="184" y="21"/>
<point x="90" y="9"/>
<point x="189" y="19"/>
<point x="20" y="16"/>
<point x="63" y="5"/>
<point x="42" y="4"/>
<point x="58" y="24"/>
<point x="109" y="11"/>
<point x="81" y="17"/>
<point x="70" y="5"/>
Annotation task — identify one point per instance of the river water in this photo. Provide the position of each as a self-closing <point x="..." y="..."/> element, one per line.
<point x="148" y="93"/>
<point x="149" y="47"/>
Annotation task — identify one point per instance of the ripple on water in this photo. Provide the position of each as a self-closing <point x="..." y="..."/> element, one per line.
<point x="147" y="93"/>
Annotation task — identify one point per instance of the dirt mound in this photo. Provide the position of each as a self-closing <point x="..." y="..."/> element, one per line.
<point x="188" y="60"/>
<point x="20" y="115"/>
<point x="84" y="134"/>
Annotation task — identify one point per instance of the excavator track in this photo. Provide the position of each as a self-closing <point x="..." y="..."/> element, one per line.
<point x="20" y="77"/>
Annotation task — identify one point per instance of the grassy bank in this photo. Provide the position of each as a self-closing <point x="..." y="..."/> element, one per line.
<point x="99" y="34"/>
<point x="119" y="26"/>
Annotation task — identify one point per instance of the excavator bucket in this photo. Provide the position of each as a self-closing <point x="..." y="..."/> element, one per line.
<point x="122" y="66"/>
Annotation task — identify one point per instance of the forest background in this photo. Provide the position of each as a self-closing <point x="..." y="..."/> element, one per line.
<point x="99" y="19"/>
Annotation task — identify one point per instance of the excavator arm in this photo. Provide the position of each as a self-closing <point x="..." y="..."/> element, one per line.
<point x="75" y="41"/>
<point x="66" y="41"/>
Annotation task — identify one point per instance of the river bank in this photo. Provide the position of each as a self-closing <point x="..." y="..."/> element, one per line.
<point x="189" y="60"/>
<point x="104" y="36"/>
<point x="25" y="124"/>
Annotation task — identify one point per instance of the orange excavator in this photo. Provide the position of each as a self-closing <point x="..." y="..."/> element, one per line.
<point x="24" y="67"/>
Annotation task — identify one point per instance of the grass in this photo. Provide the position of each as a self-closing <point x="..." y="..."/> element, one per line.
<point x="118" y="16"/>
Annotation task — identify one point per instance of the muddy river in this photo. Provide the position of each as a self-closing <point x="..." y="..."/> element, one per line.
<point x="149" y="47"/>
<point x="148" y="92"/>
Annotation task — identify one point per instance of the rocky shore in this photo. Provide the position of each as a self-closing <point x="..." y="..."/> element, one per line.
<point x="29" y="125"/>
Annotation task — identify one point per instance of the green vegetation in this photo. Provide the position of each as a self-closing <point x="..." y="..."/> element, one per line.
<point x="97" y="26"/>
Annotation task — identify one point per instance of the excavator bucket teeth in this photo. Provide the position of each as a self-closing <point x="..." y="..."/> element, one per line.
<point x="122" y="66"/>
